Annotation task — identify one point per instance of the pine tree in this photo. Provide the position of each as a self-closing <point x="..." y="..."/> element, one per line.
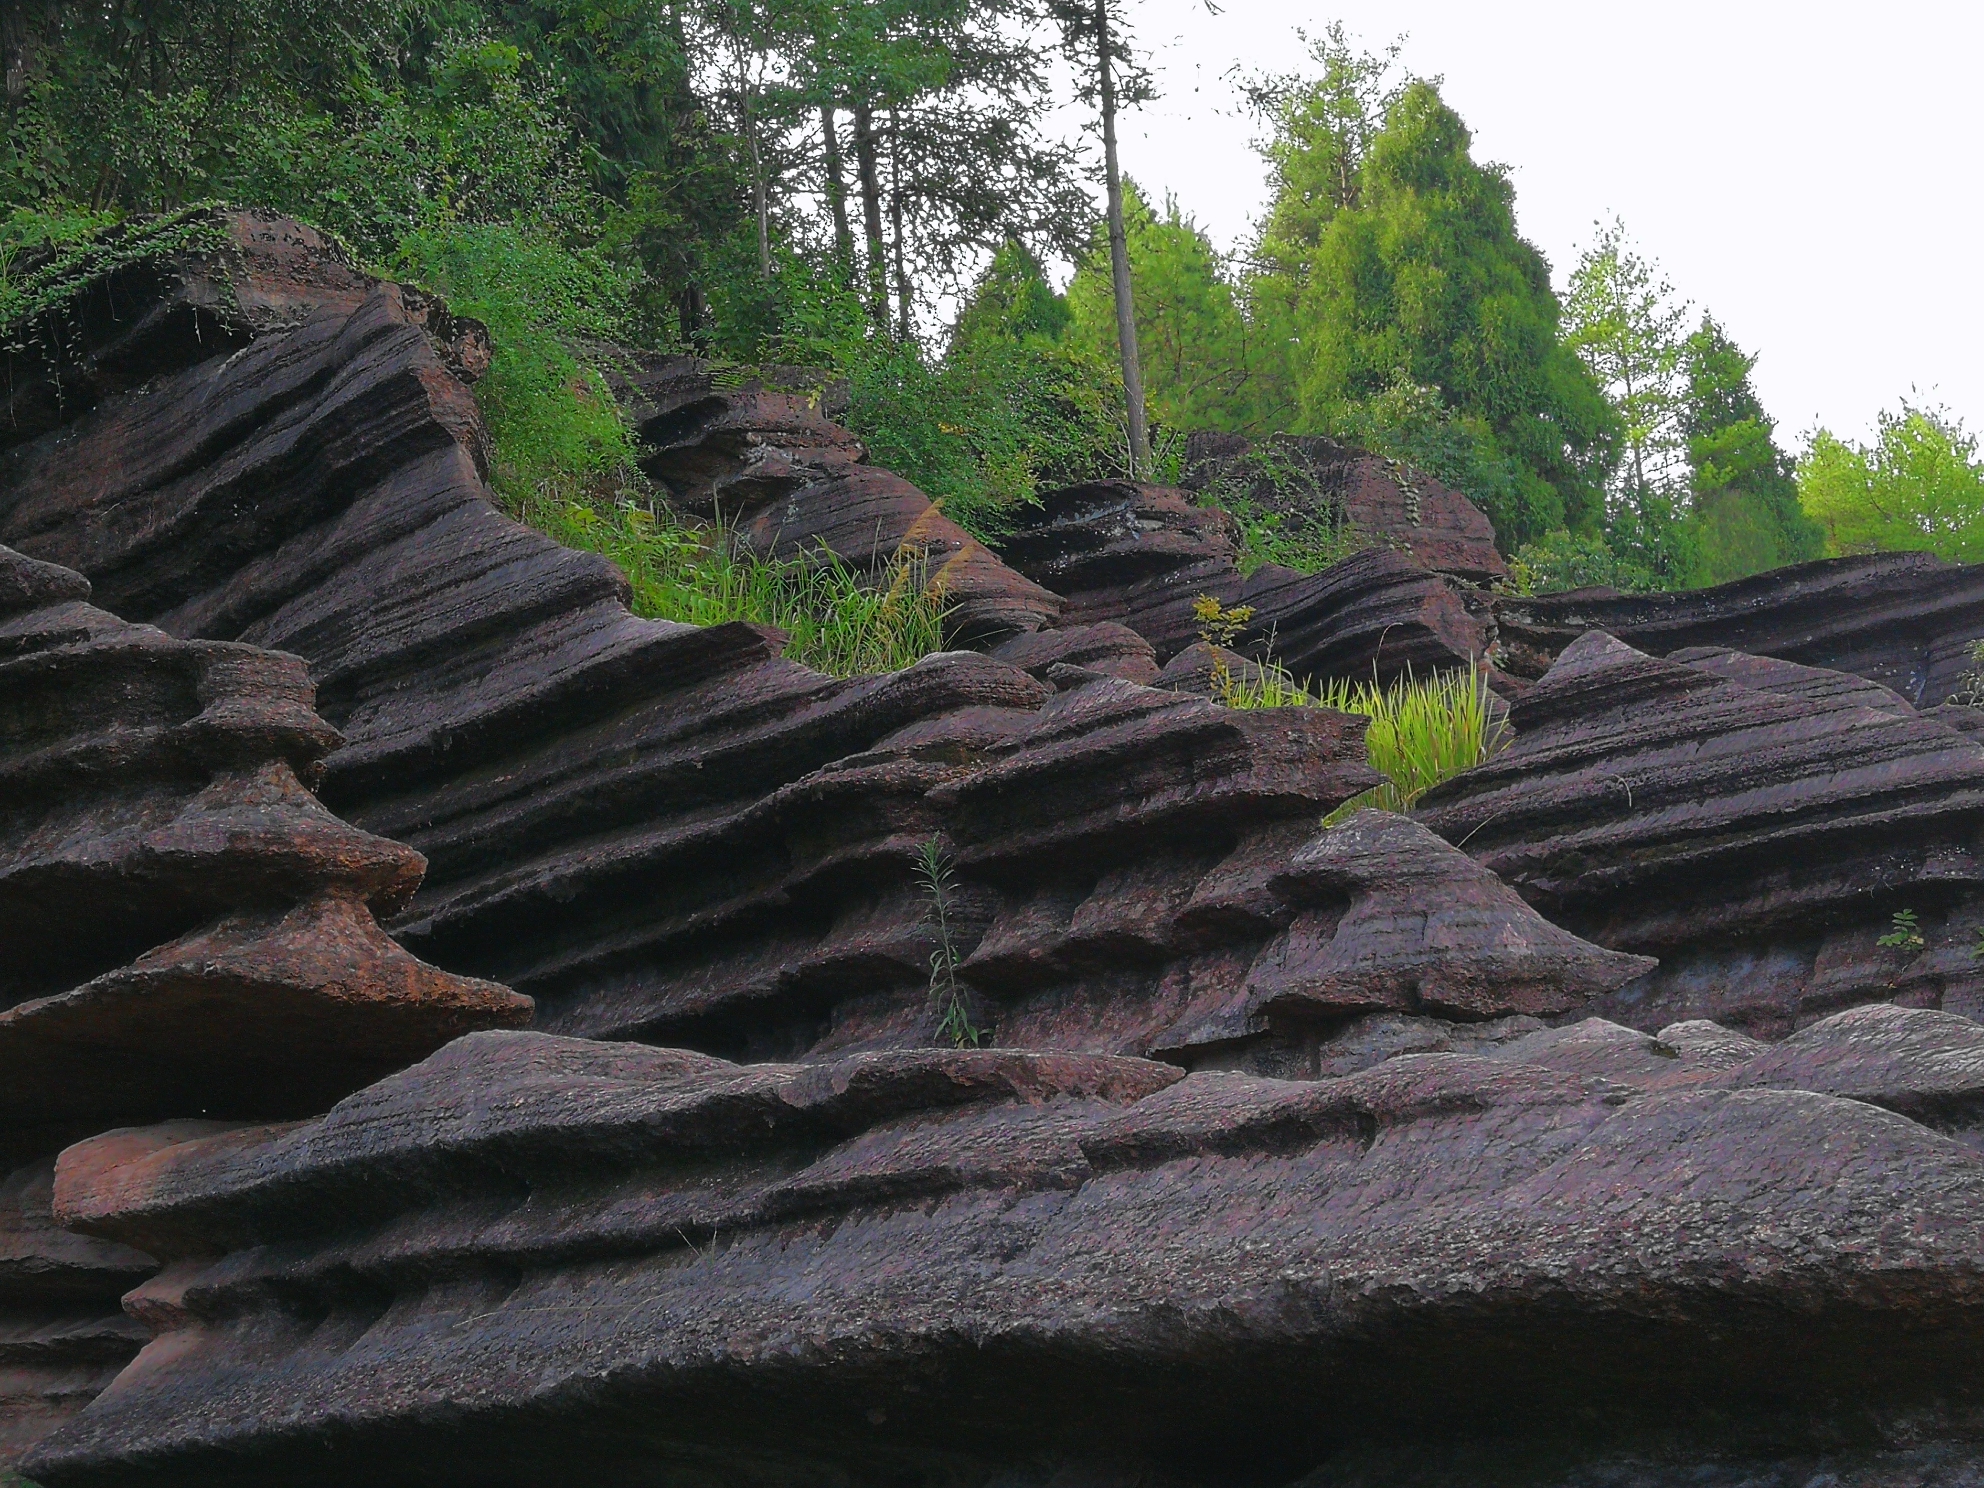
<point x="1745" y="488"/>
<point x="1425" y="281"/>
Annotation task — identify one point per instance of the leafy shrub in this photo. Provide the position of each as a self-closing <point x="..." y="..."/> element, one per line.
<point x="548" y="412"/>
<point x="837" y="621"/>
<point x="1566" y="560"/>
<point x="1274" y="500"/>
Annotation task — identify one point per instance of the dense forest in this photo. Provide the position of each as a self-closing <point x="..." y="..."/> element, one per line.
<point x="867" y="188"/>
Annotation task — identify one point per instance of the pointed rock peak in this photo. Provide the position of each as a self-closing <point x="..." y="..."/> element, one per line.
<point x="1427" y="930"/>
<point x="1374" y="848"/>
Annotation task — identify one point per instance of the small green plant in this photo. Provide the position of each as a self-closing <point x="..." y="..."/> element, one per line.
<point x="1219" y="627"/>
<point x="1907" y="932"/>
<point x="1969" y="691"/>
<point x="935" y="874"/>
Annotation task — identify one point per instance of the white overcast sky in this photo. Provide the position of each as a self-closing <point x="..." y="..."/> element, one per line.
<point x="1809" y="172"/>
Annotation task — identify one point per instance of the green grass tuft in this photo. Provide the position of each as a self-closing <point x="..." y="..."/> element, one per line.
<point x="839" y="622"/>
<point x="1420" y="734"/>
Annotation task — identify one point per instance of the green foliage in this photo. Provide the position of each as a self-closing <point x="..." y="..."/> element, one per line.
<point x="479" y="139"/>
<point x="1918" y="487"/>
<point x="1421" y="733"/>
<point x="1907" y="933"/>
<point x="48" y="254"/>
<point x="1270" y="492"/>
<point x="838" y="622"/>
<point x="548" y="413"/>
<point x="1201" y="359"/>
<point x="1746" y="492"/>
<point x="1009" y="408"/>
<point x="948" y="1000"/>
<point x="1560" y="561"/>
<point x="1423" y="281"/>
<point x="145" y="107"/>
<point x="1622" y="322"/>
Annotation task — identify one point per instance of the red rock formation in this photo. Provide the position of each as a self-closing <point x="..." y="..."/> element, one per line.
<point x="1141" y="555"/>
<point x="187" y="932"/>
<point x="1905" y="620"/>
<point x="1401" y="507"/>
<point x="1756" y="824"/>
<point x="532" y="1256"/>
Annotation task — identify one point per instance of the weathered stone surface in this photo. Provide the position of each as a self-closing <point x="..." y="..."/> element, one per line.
<point x="1426" y="929"/>
<point x="1904" y="620"/>
<point x="1400" y="506"/>
<point x="1140" y="555"/>
<point x="186" y="931"/>
<point x="658" y="830"/>
<point x="1754" y="824"/>
<point x="791" y="481"/>
<point x="187" y="928"/>
<point x="63" y="1336"/>
<point x="531" y="1255"/>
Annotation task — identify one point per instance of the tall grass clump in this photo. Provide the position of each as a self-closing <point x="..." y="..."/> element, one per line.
<point x="1421" y="732"/>
<point x="838" y="620"/>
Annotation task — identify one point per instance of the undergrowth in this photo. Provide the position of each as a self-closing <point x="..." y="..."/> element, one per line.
<point x="838" y="621"/>
<point x="1276" y="498"/>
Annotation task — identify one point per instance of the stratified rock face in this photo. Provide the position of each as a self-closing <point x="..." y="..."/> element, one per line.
<point x="1904" y="620"/>
<point x="1756" y="824"/>
<point x="188" y="931"/>
<point x="1140" y="555"/>
<point x="1400" y="506"/>
<point x="534" y="1259"/>
<point x="792" y="481"/>
<point x="63" y="1336"/>
<point x="657" y="830"/>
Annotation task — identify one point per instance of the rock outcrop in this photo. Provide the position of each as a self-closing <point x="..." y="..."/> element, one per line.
<point x="1468" y="1239"/>
<point x="1754" y="823"/>
<point x="187" y="932"/>
<point x="532" y="1257"/>
<point x="770" y="464"/>
<point x="1140" y="555"/>
<point x="1904" y="620"/>
<point x="1395" y="504"/>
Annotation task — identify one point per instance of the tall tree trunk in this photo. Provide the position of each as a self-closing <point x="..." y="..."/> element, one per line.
<point x="1119" y="256"/>
<point x="837" y="190"/>
<point x="905" y="320"/>
<point x="14" y="51"/>
<point x="871" y="215"/>
<point x="759" y="195"/>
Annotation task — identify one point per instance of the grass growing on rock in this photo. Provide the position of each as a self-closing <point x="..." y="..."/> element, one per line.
<point x="838" y="620"/>
<point x="1422" y="732"/>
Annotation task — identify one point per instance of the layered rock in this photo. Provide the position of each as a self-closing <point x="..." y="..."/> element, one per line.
<point x="1141" y="555"/>
<point x="790" y="481"/>
<point x="1312" y="477"/>
<point x="658" y="830"/>
<point x="533" y="1257"/>
<point x="1756" y="824"/>
<point x="187" y="931"/>
<point x="1905" y="620"/>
